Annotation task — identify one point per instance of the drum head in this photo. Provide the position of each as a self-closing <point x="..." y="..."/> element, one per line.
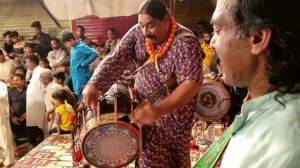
<point x="111" y="145"/>
<point x="213" y="101"/>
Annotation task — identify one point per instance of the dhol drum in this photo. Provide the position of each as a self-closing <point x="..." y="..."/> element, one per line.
<point x="213" y="101"/>
<point x="109" y="139"/>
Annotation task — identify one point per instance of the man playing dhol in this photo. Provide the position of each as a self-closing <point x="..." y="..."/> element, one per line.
<point x="171" y="51"/>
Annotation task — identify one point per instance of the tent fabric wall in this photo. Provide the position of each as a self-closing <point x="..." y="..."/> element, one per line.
<point x="70" y="9"/>
<point x="96" y="28"/>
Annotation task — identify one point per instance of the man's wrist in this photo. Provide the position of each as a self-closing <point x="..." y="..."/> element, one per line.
<point x="161" y="108"/>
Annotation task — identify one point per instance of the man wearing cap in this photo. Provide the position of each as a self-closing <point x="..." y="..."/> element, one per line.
<point x="40" y="39"/>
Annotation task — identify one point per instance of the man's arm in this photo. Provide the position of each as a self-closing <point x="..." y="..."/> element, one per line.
<point x="90" y="56"/>
<point x="45" y="40"/>
<point x="147" y="114"/>
<point x="63" y="57"/>
<point x="47" y="114"/>
<point x="23" y="117"/>
<point x="35" y="40"/>
<point x="57" y="121"/>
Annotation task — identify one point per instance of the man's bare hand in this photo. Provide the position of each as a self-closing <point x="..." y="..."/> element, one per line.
<point x="15" y="120"/>
<point x="146" y="114"/>
<point x="90" y="96"/>
<point x="35" y="42"/>
<point x="23" y="117"/>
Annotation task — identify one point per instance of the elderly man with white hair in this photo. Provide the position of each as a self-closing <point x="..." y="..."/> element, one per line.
<point x="46" y="79"/>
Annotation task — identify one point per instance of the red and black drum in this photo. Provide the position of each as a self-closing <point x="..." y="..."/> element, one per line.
<point x="108" y="139"/>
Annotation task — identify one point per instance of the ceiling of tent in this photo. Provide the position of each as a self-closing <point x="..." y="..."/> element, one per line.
<point x="70" y="9"/>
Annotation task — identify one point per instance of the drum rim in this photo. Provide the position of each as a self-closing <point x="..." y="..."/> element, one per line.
<point x="227" y="95"/>
<point x="99" y="117"/>
<point x="119" y="123"/>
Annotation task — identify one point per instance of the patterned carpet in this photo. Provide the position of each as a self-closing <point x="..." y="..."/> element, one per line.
<point x="56" y="151"/>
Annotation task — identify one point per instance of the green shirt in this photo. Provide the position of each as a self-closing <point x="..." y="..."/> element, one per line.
<point x="266" y="134"/>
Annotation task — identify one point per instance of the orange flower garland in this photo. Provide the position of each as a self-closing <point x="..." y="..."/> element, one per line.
<point x="157" y="54"/>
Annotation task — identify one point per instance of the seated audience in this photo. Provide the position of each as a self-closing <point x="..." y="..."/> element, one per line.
<point x="113" y="39"/>
<point x="65" y="68"/>
<point x="9" y="44"/>
<point x="6" y="68"/>
<point x="20" y="70"/>
<point x="28" y="50"/>
<point x="101" y="55"/>
<point x="57" y="55"/>
<point x="19" y="44"/>
<point x="79" y="34"/>
<point x="44" y="62"/>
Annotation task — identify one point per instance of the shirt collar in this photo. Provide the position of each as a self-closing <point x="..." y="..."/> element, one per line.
<point x="253" y="106"/>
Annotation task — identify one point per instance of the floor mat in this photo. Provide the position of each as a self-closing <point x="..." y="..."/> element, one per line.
<point x="56" y="150"/>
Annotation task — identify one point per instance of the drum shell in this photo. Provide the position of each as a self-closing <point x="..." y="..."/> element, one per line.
<point x="213" y="101"/>
<point x="106" y="103"/>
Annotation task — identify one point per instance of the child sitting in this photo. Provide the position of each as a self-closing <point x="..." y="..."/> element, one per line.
<point x="63" y="113"/>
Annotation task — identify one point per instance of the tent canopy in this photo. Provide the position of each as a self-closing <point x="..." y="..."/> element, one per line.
<point x="70" y="9"/>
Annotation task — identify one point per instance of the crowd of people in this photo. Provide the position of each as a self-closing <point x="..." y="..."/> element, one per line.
<point x="44" y="82"/>
<point x="255" y="45"/>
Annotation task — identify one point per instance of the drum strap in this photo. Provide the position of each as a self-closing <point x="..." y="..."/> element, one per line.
<point x="212" y="155"/>
<point x="177" y="37"/>
<point x="166" y="87"/>
<point x="163" y="89"/>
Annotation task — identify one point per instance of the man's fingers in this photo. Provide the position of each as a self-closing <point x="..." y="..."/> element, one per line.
<point x="86" y="100"/>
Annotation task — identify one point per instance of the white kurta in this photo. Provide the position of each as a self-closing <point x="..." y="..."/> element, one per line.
<point x="6" y="69"/>
<point x="56" y="57"/>
<point x="6" y="141"/>
<point x="35" y="104"/>
<point x="50" y="89"/>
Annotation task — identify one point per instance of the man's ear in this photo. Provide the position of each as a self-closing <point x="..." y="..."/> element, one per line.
<point x="260" y="40"/>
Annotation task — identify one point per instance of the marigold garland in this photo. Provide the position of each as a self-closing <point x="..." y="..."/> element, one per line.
<point x="157" y="54"/>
